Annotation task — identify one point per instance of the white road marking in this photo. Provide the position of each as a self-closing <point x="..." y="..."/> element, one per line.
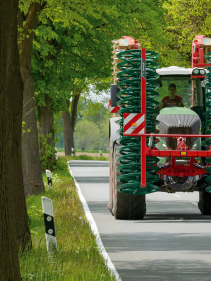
<point x="176" y="195"/>
<point x="95" y="229"/>
<point x="194" y="203"/>
<point x="90" y="161"/>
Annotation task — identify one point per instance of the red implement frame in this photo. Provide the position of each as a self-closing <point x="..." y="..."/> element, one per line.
<point x="200" y="46"/>
<point x="143" y="111"/>
<point x="181" y="150"/>
<point x="179" y="170"/>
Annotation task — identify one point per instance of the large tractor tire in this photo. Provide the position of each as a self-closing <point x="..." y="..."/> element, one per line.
<point x="204" y="203"/>
<point x="125" y="206"/>
<point x="110" y="202"/>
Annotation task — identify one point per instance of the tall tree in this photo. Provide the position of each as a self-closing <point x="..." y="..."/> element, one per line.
<point x="50" y="86"/>
<point x="70" y="113"/>
<point x="11" y="181"/>
<point x="69" y="119"/>
<point x="77" y="34"/>
<point x="147" y="16"/>
<point x="69" y="116"/>
<point x="27" y="23"/>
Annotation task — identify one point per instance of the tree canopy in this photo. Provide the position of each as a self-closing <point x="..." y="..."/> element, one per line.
<point x="186" y="19"/>
<point x="73" y="40"/>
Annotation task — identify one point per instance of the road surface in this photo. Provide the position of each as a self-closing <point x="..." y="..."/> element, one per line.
<point x="172" y="243"/>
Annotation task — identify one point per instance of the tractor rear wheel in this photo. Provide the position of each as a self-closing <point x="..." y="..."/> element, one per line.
<point x="110" y="202"/>
<point x="204" y="203"/>
<point x="125" y="206"/>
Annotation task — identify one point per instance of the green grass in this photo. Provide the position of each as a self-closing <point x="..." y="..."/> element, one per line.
<point x="77" y="257"/>
<point x="80" y="150"/>
<point x="86" y="157"/>
<point x="91" y="151"/>
<point x="60" y="149"/>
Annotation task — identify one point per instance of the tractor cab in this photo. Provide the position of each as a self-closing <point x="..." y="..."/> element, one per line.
<point x="187" y="113"/>
<point x="189" y="86"/>
<point x="186" y="116"/>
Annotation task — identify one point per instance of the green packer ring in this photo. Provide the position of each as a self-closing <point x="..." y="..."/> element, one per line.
<point x="129" y="94"/>
<point x="208" y="189"/>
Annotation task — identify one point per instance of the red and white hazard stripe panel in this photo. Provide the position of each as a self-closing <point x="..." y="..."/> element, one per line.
<point x="114" y="109"/>
<point x="134" y="123"/>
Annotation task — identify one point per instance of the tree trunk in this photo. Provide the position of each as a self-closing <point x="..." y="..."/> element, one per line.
<point x="69" y="124"/>
<point x="45" y="128"/>
<point x="33" y="183"/>
<point x="11" y="102"/>
<point x="68" y="131"/>
<point x="74" y="107"/>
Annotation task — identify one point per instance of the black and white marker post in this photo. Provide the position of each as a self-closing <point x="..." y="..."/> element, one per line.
<point x="49" y="177"/>
<point x="50" y="233"/>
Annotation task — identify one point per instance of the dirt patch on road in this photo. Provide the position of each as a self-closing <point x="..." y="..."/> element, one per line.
<point x="86" y="153"/>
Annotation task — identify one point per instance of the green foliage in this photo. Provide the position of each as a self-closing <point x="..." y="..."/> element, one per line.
<point x="66" y="46"/>
<point x="23" y="131"/>
<point x="61" y="166"/>
<point x="186" y="19"/>
<point x="87" y="133"/>
<point x="72" y="45"/>
<point x="93" y="111"/>
<point x="104" y="135"/>
<point x="49" y="150"/>
<point x="35" y="218"/>
<point x="90" y="109"/>
<point x="73" y="41"/>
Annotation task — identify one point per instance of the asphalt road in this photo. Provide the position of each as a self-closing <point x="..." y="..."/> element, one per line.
<point x="172" y="243"/>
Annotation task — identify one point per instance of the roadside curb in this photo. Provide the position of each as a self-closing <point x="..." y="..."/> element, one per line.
<point x="94" y="229"/>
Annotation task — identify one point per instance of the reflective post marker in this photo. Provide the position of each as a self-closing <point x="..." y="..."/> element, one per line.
<point x="50" y="233"/>
<point x="143" y="111"/>
<point x="48" y="175"/>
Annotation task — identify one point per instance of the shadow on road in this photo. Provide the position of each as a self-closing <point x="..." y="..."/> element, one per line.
<point x="164" y="269"/>
<point x="92" y="179"/>
<point x="173" y="217"/>
<point x="177" y="215"/>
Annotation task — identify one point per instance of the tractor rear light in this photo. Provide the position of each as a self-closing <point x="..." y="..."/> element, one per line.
<point x="202" y="71"/>
<point x="196" y="71"/>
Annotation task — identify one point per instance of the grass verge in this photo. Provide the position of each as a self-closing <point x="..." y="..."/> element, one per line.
<point x="77" y="257"/>
<point x="87" y="150"/>
<point x="86" y="157"/>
